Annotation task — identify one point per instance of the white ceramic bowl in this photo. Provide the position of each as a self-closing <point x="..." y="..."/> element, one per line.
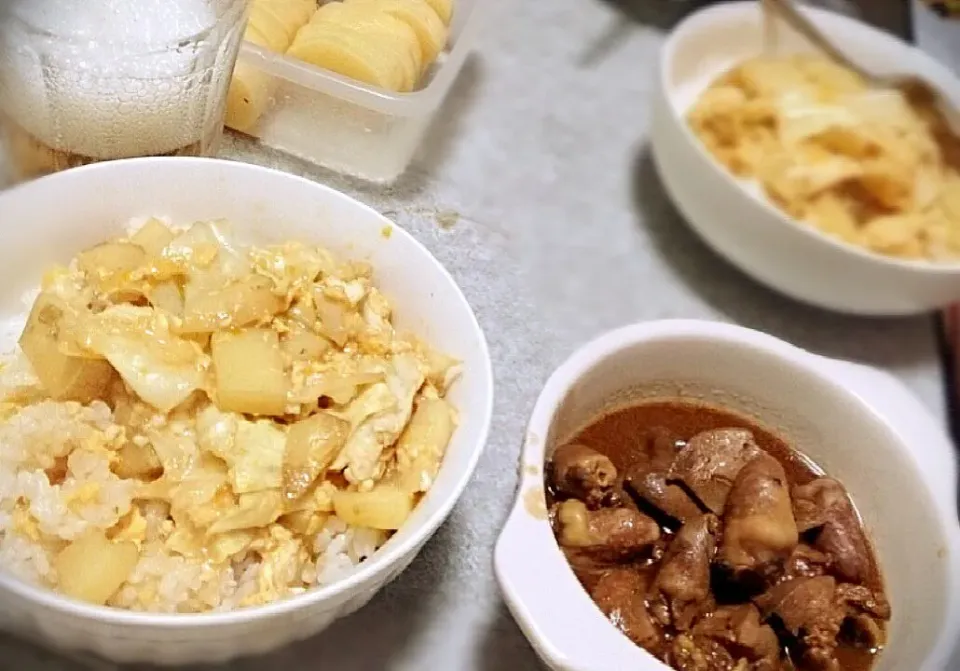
<point x="744" y="227"/>
<point x="54" y="218"/>
<point x="859" y="424"/>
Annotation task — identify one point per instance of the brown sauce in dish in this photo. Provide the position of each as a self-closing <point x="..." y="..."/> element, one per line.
<point x="715" y="545"/>
<point x="615" y="434"/>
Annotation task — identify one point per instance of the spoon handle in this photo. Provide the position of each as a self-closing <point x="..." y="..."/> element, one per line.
<point x="793" y="16"/>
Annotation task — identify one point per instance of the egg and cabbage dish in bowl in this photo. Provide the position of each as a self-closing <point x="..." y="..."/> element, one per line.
<point x="878" y="169"/>
<point x="193" y="425"/>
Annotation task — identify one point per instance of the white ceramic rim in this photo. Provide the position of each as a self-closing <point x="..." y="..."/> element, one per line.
<point x="381" y="562"/>
<point x="711" y="14"/>
<point x="942" y="492"/>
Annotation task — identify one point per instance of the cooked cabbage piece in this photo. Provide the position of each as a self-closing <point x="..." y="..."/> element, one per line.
<point x="312" y="444"/>
<point x="337" y="321"/>
<point x="254" y="509"/>
<point x="302" y="345"/>
<point x="162" y="368"/>
<point x="256" y="460"/>
<point x="166" y="296"/>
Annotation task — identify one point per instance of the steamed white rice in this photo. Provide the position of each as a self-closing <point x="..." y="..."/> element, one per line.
<point x="39" y="517"/>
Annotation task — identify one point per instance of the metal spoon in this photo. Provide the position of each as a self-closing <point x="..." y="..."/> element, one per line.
<point x="913" y="87"/>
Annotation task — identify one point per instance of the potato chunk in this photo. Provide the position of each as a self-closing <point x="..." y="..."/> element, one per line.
<point x="111" y="258"/>
<point x="63" y="376"/>
<point x="92" y="568"/>
<point x="153" y="236"/>
<point x="249" y="372"/>
<point x="312" y="445"/>
<point x="385" y="507"/>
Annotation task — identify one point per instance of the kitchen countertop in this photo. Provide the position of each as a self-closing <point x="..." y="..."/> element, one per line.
<point x="537" y="191"/>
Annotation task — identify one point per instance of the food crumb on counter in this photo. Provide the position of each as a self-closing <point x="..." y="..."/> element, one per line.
<point x="447" y="219"/>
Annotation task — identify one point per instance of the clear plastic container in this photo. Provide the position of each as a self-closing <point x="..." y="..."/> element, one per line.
<point x="82" y="82"/>
<point x="351" y="127"/>
<point x="938" y="35"/>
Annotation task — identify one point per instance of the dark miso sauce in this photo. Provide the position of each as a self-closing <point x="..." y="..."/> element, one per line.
<point x="622" y="435"/>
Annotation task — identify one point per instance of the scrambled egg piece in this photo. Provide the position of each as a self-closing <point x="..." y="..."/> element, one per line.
<point x="25" y="524"/>
<point x="253" y="510"/>
<point x="216" y="429"/>
<point x="379" y="416"/>
<point x="86" y="493"/>
<point x="133" y="527"/>
<point x="281" y="565"/>
<point x="202" y="494"/>
<point x="253" y="451"/>
<point x="223" y="546"/>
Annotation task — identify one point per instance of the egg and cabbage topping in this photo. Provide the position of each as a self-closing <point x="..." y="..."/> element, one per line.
<point x="190" y="424"/>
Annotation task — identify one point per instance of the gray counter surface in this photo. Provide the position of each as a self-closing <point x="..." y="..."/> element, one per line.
<point x="536" y="189"/>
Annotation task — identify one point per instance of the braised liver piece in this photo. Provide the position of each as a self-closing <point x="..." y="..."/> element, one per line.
<point x="714" y="545"/>
<point x="710" y="463"/>
<point x="682" y="587"/>
<point x="669" y="499"/>
<point x="824" y="508"/>
<point x="740" y="631"/>
<point x="621" y="595"/>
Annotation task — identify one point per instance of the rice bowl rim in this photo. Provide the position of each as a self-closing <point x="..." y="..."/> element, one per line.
<point x="922" y="64"/>
<point x="385" y="557"/>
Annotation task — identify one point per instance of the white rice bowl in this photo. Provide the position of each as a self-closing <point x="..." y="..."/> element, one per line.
<point x="195" y="612"/>
<point x="58" y="481"/>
